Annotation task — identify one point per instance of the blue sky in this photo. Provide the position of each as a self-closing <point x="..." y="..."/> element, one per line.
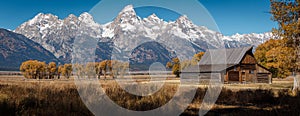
<point x="231" y="16"/>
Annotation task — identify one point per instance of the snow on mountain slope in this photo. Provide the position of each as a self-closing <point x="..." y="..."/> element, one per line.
<point x="252" y="39"/>
<point x="128" y="30"/>
<point x="57" y="35"/>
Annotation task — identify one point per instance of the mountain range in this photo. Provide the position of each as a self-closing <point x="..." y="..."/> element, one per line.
<point x="16" y="48"/>
<point x="126" y="32"/>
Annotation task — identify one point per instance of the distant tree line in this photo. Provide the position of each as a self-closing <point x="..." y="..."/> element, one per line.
<point x="176" y="65"/>
<point x="33" y="69"/>
<point x="104" y="68"/>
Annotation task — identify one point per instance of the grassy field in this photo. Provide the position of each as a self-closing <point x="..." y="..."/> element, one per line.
<point x="20" y="96"/>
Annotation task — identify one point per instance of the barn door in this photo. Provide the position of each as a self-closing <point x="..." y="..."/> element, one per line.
<point x="233" y="76"/>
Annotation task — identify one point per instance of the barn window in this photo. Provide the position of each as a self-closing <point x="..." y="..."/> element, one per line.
<point x="251" y="72"/>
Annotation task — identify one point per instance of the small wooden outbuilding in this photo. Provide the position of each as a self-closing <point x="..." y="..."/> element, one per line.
<point x="236" y="65"/>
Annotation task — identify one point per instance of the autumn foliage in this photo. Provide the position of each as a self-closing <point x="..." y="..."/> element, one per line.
<point x="33" y="69"/>
<point x="176" y="65"/>
<point x="277" y="57"/>
<point x="281" y="54"/>
<point x="286" y="14"/>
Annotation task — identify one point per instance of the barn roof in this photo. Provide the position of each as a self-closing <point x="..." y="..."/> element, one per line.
<point x="224" y="56"/>
<point x="221" y="59"/>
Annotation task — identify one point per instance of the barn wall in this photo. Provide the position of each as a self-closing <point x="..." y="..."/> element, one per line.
<point x="263" y="75"/>
<point x="248" y="59"/>
<point x="248" y="71"/>
<point x="261" y="70"/>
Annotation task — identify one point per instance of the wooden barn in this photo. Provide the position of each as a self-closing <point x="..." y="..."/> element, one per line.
<point x="236" y="65"/>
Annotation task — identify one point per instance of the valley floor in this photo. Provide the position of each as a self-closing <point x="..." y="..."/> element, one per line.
<point x="20" y="96"/>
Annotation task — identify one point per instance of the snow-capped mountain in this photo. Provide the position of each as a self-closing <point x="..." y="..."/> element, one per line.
<point x="250" y="39"/>
<point x="58" y="35"/>
<point x="127" y="31"/>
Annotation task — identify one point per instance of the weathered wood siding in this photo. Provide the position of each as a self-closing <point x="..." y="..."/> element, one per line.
<point x="248" y="59"/>
<point x="261" y="69"/>
<point x="245" y="70"/>
<point x="263" y="78"/>
<point x="233" y="76"/>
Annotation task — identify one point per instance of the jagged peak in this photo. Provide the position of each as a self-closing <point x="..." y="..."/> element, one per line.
<point x="183" y="18"/>
<point x="70" y="19"/>
<point x="236" y="34"/>
<point x="39" y="15"/>
<point x="127" y="15"/>
<point x="185" y="22"/>
<point x="42" y="16"/>
<point x="45" y="16"/>
<point x="85" y="15"/>
<point x="72" y="16"/>
<point x="153" y="16"/>
<point x="128" y="8"/>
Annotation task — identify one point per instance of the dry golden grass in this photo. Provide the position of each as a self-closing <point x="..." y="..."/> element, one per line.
<point x="19" y="96"/>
